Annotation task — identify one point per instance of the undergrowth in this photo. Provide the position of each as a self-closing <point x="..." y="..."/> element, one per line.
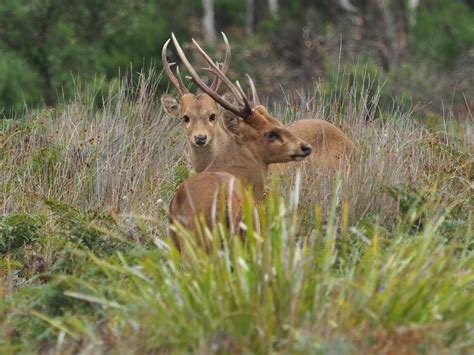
<point x="378" y="260"/>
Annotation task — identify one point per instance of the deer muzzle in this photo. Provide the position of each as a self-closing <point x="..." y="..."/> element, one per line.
<point x="200" y="139"/>
<point x="305" y="151"/>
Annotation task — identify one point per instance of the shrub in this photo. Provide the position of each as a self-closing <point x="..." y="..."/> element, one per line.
<point x="19" y="229"/>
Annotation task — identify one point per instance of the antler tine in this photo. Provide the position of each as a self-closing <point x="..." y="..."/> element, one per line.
<point x="243" y="95"/>
<point x="198" y="81"/>
<point x="226" y="64"/>
<point x="228" y="52"/>
<point x="215" y="82"/>
<point x="177" y="83"/>
<point x="180" y="80"/>
<point x="255" y="99"/>
<point x="215" y="69"/>
<point x="229" y="85"/>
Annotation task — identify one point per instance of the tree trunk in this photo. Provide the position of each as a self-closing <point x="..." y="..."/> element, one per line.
<point x="383" y="32"/>
<point x="273" y="6"/>
<point x="470" y="3"/>
<point x="209" y="29"/>
<point x="49" y="95"/>
<point x="413" y="4"/>
<point x="347" y="6"/>
<point x="391" y="28"/>
<point x="402" y="28"/>
<point x="249" y="17"/>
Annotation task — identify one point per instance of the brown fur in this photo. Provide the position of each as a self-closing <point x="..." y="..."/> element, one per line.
<point x="191" y="203"/>
<point x="198" y="108"/>
<point x="245" y="156"/>
<point x="331" y="147"/>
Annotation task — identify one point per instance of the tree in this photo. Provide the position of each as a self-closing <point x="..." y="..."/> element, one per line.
<point x="21" y="26"/>
<point x="209" y="29"/>
<point x="387" y="24"/>
<point x="347" y="6"/>
<point x="249" y="17"/>
<point x="273" y="6"/>
<point x="54" y="37"/>
<point x="45" y="43"/>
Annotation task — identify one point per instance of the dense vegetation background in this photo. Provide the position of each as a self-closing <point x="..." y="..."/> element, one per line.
<point x="423" y="49"/>
<point x="376" y="260"/>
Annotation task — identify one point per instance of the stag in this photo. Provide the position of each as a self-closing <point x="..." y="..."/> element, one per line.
<point x="206" y="135"/>
<point x="255" y="140"/>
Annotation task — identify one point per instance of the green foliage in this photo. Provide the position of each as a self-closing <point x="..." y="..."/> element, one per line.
<point x="19" y="85"/>
<point x="87" y="230"/>
<point x="414" y="209"/>
<point x="45" y="44"/>
<point x="357" y="83"/>
<point x="448" y="25"/>
<point x="16" y="230"/>
<point x="229" y="12"/>
<point x="53" y="41"/>
<point x="279" y="292"/>
<point x="44" y="160"/>
<point x="48" y="298"/>
<point x="179" y="173"/>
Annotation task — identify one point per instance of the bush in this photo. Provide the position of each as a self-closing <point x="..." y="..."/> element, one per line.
<point x="19" y="229"/>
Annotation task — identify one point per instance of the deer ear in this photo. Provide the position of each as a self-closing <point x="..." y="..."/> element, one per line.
<point x="231" y="122"/>
<point x="171" y="105"/>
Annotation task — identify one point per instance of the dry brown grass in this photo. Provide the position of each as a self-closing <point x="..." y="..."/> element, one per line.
<point x="127" y="157"/>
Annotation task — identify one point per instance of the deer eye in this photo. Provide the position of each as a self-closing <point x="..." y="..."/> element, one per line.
<point x="186" y="119"/>
<point x="272" y="136"/>
<point x="212" y="117"/>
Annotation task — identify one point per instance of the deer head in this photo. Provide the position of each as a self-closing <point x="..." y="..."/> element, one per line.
<point x="199" y="113"/>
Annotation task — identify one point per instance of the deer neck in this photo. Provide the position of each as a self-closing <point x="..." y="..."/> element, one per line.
<point x="239" y="160"/>
<point x="202" y="157"/>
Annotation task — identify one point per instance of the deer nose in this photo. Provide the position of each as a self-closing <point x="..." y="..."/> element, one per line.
<point x="306" y="148"/>
<point x="200" y="139"/>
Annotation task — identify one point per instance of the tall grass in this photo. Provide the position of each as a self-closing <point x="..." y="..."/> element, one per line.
<point x="127" y="156"/>
<point x="281" y="291"/>
<point x="395" y="148"/>
<point x="117" y="157"/>
<point x="378" y="260"/>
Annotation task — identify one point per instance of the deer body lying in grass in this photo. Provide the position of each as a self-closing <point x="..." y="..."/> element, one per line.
<point x="332" y="149"/>
<point x="207" y="136"/>
<point x="254" y="141"/>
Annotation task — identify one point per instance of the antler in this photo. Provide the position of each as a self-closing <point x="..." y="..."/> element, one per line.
<point x="255" y="99"/>
<point x="242" y="112"/>
<point x="213" y="68"/>
<point x="216" y="83"/>
<point x="177" y="82"/>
